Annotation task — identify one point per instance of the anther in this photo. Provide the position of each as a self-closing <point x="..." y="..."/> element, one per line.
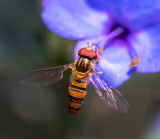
<point x="135" y="61"/>
<point x="100" y="50"/>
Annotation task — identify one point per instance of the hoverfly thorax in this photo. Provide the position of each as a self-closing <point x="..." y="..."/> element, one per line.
<point x="85" y="62"/>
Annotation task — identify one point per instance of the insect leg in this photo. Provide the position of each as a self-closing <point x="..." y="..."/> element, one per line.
<point x="99" y="53"/>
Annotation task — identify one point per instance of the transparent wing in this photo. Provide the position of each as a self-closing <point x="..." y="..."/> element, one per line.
<point x="108" y="94"/>
<point x="45" y="76"/>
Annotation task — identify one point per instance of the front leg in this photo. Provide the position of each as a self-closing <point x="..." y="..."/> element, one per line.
<point x="99" y="53"/>
<point x="94" y="72"/>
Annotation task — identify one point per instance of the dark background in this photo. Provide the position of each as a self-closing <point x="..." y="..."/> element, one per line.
<point x="42" y="113"/>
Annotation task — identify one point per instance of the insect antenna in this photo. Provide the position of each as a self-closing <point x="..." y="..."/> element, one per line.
<point x="89" y="46"/>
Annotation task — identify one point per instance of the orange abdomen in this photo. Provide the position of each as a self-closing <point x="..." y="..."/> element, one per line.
<point x="77" y="92"/>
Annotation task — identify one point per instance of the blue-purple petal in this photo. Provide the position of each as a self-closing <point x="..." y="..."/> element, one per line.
<point x="110" y="6"/>
<point x="147" y="46"/>
<point x="147" y="22"/>
<point x="73" y="19"/>
<point x="115" y="64"/>
<point x="134" y="13"/>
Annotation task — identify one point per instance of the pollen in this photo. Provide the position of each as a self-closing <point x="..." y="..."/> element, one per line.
<point x="89" y="47"/>
<point x="135" y="62"/>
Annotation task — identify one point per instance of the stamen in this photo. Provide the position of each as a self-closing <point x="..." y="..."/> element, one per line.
<point x="135" y="61"/>
<point x="124" y="34"/>
<point x="115" y="33"/>
<point x="100" y="50"/>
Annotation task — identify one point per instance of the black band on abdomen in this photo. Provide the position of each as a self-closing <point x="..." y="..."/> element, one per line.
<point x="81" y="99"/>
<point x="75" y="101"/>
<point x="77" y="109"/>
<point x="76" y="87"/>
<point x="79" y="91"/>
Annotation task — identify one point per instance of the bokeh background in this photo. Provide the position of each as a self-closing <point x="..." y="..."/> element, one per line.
<point x="41" y="112"/>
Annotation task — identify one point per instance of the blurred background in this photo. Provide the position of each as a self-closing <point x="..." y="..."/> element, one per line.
<point x="42" y="112"/>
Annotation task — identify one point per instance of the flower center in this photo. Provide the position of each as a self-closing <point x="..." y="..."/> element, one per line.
<point x="124" y="34"/>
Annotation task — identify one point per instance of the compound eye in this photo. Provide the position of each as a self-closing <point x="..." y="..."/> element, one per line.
<point x="82" y="52"/>
<point x="90" y="54"/>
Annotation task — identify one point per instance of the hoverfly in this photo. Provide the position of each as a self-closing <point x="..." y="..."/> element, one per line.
<point x="82" y="73"/>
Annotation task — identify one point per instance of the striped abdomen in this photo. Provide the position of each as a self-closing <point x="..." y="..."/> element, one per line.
<point x="77" y="92"/>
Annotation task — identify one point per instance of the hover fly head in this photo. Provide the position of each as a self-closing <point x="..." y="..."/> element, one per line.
<point x="88" y="52"/>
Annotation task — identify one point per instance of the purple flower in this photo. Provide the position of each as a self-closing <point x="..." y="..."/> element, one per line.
<point x="125" y="29"/>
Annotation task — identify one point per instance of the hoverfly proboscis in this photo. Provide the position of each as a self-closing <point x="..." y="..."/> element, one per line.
<point x="82" y="72"/>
